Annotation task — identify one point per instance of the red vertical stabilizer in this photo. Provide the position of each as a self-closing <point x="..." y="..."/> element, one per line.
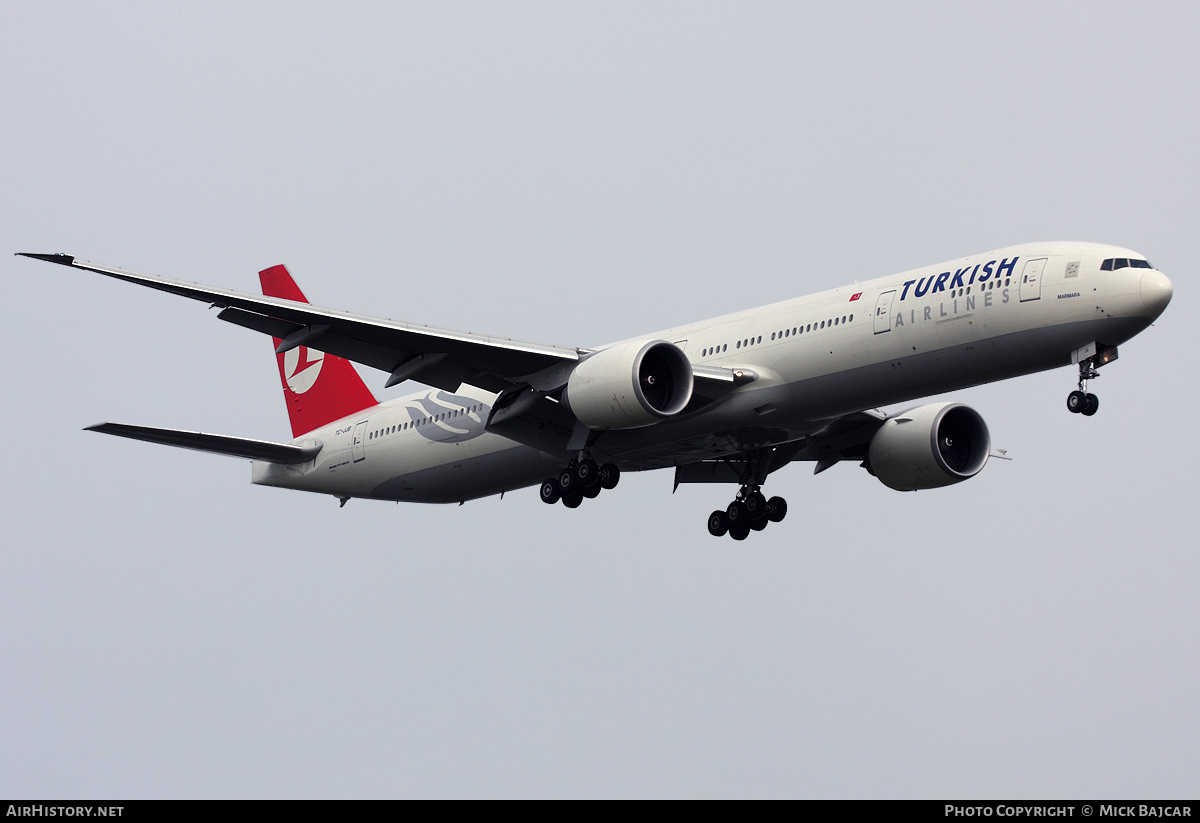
<point x="319" y="388"/>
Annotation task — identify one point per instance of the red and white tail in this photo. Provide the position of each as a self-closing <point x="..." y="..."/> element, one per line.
<point x="319" y="388"/>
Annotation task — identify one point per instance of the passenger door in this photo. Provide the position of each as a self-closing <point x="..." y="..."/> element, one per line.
<point x="358" y="447"/>
<point x="1031" y="279"/>
<point x="883" y="312"/>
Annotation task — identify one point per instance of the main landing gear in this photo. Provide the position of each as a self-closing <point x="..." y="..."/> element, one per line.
<point x="750" y="510"/>
<point x="582" y="478"/>
<point x="1079" y="401"/>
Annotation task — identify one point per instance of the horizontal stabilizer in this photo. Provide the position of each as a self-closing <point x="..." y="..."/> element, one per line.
<point x="215" y="443"/>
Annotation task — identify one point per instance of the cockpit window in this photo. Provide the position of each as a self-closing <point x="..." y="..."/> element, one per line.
<point x="1114" y="263"/>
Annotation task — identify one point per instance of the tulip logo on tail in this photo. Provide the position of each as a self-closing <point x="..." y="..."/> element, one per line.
<point x="301" y="366"/>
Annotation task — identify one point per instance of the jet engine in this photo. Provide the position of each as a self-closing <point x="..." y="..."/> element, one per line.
<point x="930" y="446"/>
<point x="630" y="385"/>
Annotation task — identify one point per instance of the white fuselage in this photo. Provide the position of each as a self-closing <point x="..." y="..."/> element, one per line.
<point x="975" y="320"/>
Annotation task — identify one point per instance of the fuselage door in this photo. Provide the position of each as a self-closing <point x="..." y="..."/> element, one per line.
<point x="1031" y="279"/>
<point x="883" y="312"/>
<point x="358" y="446"/>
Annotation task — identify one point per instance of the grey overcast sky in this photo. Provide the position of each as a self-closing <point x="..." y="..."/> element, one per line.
<point x="575" y="173"/>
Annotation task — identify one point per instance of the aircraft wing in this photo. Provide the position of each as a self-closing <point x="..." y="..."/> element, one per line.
<point x="443" y="358"/>
<point x="216" y="443"/>
<point x="439" y="357"/>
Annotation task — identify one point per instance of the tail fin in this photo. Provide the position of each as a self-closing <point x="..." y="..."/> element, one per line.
<point x="319" y="388"/>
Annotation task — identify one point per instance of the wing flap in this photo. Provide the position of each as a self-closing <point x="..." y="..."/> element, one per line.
<point x="215" y="443"/>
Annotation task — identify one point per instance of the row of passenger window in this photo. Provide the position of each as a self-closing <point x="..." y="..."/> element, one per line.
<point x="988" y="286"/>
<point x="413" y="424"/>
<point x="778" y="335"/>
<point x="1114" y="263"/>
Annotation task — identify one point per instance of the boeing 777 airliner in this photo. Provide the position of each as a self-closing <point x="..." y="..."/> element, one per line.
<point x="727" y="400"/>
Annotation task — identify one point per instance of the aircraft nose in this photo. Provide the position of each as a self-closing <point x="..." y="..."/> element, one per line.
<point x="1156" y="292"/>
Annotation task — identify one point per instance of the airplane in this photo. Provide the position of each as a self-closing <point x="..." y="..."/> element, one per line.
<point x="727" y="400"/>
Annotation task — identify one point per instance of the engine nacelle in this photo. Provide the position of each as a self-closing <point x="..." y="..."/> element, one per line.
<point x="630" y="385"/>
<point x="930" y="446"/>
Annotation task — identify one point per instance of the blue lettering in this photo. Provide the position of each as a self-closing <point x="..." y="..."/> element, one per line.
<point x="987" y="270"/>
<point x="1005" y="265"/>
<point x="904" y="293"/>
<point x="972" y="280"/>
<point x="957" y="281"/>
<point x="941" y="281"/>
<point x="922" y="287"/>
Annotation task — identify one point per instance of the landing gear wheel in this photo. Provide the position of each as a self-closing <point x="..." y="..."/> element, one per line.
<point x="549" y="491"/>
<point x="1092" y="406"/>
<point x="776" y="509"/>
<point x="572" y="501"/>
<point x="739" y="532"/>
<point x="718" y="524"/>
<point x="591" y="492"/>
<point x="609" y="476"/>
<point x="756" y="505"/>
<point x="568" y="483"/>
<point x="737" y="515"/>
<point x="759" y="524"/>
<point x="1077" y="401"/>
<point x="587" y="472"/>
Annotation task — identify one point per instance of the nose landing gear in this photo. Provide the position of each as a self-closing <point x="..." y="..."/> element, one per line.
<point x="1079" y="401"/>
<point x="1090" y="358"/>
